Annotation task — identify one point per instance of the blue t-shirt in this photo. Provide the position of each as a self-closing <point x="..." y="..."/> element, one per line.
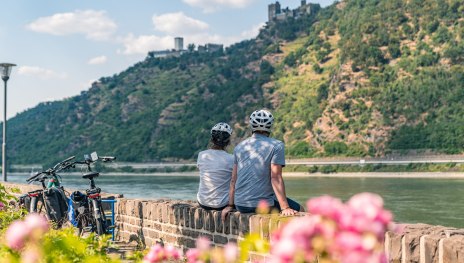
<point x="253" y="158"/>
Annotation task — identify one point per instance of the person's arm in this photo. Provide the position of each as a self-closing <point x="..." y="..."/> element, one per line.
<point x="230" y="206"/>
<point x="279" y="189"/>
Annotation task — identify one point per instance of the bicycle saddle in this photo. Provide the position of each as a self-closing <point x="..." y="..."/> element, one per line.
<point x="91" y="175"/>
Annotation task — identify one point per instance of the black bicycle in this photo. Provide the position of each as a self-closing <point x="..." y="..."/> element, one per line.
<point x="51" y="197"/>
<point x="90" y="215"/>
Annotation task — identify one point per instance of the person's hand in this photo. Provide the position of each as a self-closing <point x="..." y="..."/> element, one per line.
<point x="225" y="211"/>
<point x="287" y="212"/>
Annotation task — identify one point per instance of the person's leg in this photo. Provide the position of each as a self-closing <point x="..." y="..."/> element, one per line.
<point x="211" y="208"/>
<point x="245" y="210"/>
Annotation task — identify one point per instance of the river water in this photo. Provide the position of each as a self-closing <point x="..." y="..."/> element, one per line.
<point x="412" y="200"/>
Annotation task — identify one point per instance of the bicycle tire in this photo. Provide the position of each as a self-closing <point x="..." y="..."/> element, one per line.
<point x="100" y="226"/>
<point x="33" y="205"/>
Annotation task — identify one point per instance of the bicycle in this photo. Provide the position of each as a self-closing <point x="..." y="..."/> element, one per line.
<point x="52" y="196"/>
<point x="90" y="213"/>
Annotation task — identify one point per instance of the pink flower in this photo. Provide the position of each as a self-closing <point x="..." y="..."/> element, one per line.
<point x="231" y="252"/>
<point x="37" y="222"/>
<point x="16" y="235"/>
<point x="366" y="204"/>
<point x="325" y="206"/>
<point x="156" y="254"/>
<point x="192" y="255"/>
<point x="171" y="252"/>
<point x="203" y="243"/>
<point x="263" y="207"/>
<point x="348" y="241"/>
<point x="2" y="206"/>
<point x="30" y="256"/>
<point x="285" y="250"/>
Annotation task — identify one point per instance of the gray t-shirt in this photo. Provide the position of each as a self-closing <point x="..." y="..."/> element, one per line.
<point x="253" y="158"/>
<point x="215" y="173"/>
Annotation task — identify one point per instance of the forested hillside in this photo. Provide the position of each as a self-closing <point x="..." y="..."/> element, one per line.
<point x="360" y="77"/>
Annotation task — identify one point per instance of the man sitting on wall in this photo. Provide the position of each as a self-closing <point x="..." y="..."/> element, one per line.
<point x="257" y="171"/>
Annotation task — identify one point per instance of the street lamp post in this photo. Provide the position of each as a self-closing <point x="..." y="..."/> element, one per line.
<point x="5" y="69"/>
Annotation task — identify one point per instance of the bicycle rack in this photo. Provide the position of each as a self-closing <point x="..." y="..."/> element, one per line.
<point x="111" y="216"/>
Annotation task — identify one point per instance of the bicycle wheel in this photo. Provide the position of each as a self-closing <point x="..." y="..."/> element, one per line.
<point x="99" y="217"/>
<point x="100" y="226"/>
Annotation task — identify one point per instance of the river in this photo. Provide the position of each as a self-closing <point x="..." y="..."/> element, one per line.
<point x="412" y="200"/>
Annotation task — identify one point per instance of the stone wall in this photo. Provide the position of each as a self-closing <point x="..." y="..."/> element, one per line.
<point x="180" y="223"/>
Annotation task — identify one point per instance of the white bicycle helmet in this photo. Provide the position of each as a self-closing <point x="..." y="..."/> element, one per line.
<point x="261" y="120"/>
<point x="222" y="126"/>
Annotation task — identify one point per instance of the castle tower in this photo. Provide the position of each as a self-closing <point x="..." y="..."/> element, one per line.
<point x="273" y="10"/>
<point x="179" y="43"/>
<point x="303" y="3"/>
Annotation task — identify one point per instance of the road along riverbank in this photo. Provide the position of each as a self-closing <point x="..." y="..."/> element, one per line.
<point x="427" y="175"/>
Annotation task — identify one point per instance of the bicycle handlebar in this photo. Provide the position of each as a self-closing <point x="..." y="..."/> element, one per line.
<point x="107" y="158"/>
<point x="63" y="165"/>
<point x="34" y="177"/>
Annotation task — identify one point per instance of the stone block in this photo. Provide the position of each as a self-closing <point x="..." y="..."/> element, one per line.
<point x="220" y="240"/>
<point x="208" y="221"/>
<point x="156" y="211"/>
<point x="208" y="236"/>
<point x="191" y="233"/>
<point x="199" y="218"/>
<point x="255" y="224"/>
<point x="171" y="214"/>
<point x="192" y="212"/>
<point x="244" y="226"/>
<point x="164" y="213"/>
<point x="264" y="227"/>
<point x="179" y="215"/>
<point x="410" y="247"/>
<point x="186" y="216"/>
<point x="218" y="224"/>
<point x="451" y="249"/>
<point x="429" y="248"/>
<point x="187" y="242"/>
<point x="393" y="247"/>
<point x="226" y="224"/>
<point x="234" y="223"/>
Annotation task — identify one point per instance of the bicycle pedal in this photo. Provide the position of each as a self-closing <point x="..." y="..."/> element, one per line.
<point x="87" y="229"/>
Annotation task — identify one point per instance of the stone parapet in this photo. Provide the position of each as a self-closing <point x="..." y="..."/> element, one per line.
<point x="180" y="223"/>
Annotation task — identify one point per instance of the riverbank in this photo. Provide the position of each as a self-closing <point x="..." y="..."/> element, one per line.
<point x="425" y="175"/>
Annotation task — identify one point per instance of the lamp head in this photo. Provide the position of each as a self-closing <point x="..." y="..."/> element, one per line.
<point x="5" y="70"/>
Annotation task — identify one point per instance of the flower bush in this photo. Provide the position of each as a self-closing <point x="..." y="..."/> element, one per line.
<point x="32" y="240"/>
<point x="333" y="232"/>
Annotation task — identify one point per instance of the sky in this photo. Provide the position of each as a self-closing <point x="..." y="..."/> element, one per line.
<point x="61" y="47"/>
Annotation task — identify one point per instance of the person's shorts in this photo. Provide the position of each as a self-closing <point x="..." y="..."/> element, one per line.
<point x="211" y="208"/>
<point x="293" y="205"/>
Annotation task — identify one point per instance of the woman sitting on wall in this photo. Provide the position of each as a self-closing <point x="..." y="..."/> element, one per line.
<point x="215" y="166"/>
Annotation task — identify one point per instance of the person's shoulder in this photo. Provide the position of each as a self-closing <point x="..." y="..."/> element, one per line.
<point x="242" y="143"/>
<point x="275" y="142"/>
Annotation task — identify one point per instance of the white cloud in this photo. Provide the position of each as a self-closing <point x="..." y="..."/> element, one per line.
<point x="97" y="60"/>
<point x="252" y="32"/>
<point x="95" y="25"/>
<point x="173" y="24"/>
<point x="142" y="44"/>
<point x="41" y="73"/>
<point x="178" y="24"/>
<point x="209" y="6"/>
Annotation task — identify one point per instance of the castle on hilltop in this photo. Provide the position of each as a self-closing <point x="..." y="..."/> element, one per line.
<point x="275" y="11"/>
